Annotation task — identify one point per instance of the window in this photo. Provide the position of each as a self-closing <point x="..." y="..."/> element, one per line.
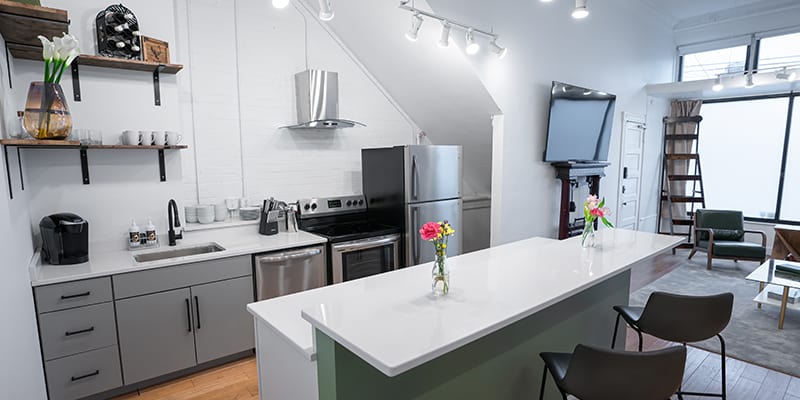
<point x="741" y="147"/>
<point x="790" y="203"/>
<point x="779" y="51"/>
<point x="709" y="64"/>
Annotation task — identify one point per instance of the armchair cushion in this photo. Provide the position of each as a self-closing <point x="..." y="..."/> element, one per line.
<point x="725" y="248"/>
<point x="727" y="225"/>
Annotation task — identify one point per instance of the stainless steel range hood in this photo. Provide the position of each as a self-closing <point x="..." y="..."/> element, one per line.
<point x="318" y="101"/>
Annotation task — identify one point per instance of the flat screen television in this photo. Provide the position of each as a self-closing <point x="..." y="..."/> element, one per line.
<point x="579" y="125"/>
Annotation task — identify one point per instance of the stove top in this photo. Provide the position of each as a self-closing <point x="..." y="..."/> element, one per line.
<point x="340" y="219"/>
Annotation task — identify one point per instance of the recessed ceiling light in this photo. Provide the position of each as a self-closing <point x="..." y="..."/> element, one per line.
<point x="280" y="3"/>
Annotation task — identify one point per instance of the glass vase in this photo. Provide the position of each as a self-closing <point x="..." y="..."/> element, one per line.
<point x="46" y="113"/>
<point x="441" y="276"/>
<point x="588" y="236"/>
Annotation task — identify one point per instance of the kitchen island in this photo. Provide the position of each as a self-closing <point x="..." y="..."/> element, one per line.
<point x="386" y="337"/>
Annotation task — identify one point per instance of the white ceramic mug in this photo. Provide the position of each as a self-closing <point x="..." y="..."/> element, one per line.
<point x="130" y="138"/>
<point x="146" y="138"/>
<point x="159" y="138"/>
<point x="173" y="138"/>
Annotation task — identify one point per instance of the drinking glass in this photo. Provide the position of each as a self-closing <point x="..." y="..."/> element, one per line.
<point x="232" y="203"/>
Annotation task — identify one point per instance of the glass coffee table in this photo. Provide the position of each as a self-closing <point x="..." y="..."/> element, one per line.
<point x="767" y="274"/>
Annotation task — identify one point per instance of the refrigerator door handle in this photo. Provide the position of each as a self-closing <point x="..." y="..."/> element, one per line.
<point x="414" y="239"/>
<point x="414" y="178"/>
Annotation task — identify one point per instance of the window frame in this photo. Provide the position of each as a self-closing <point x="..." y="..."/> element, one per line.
<point x="749" y="64"/>
<point x="784" y="156"/>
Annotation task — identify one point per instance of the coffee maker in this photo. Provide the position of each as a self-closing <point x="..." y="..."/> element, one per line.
<point x="65" y="239"/>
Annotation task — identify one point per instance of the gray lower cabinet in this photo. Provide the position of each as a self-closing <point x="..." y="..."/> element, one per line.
<point x="83" y="374"/>
<point x="156" y="334"/>
<point x="222" y="324"/>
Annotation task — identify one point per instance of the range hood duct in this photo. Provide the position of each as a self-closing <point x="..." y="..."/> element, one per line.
<point x="317" y="94"/>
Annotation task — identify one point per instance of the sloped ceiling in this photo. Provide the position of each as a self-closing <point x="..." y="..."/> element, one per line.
<point x="436" y="87"/>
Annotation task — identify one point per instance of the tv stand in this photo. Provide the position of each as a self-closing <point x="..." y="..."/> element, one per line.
<point x="570" y="173"/>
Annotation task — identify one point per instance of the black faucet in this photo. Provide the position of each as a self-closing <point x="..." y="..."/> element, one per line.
<point x="172" y="215"/>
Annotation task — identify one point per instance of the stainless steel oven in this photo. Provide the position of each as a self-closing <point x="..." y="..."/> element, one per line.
<point x="364" y="257"/>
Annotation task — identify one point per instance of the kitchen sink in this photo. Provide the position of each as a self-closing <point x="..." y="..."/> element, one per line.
<point x="181" y="252"/>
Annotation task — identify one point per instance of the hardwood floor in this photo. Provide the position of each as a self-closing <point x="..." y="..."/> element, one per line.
<point x="239" y="380"/>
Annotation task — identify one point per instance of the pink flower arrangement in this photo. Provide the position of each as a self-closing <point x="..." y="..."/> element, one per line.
<point x="438" y="233"/>
<point x="430" y="231"/>
<point x="593" y="209"/>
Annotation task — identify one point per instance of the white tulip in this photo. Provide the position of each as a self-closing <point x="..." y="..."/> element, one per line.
<point x="72" y="55"/>
<point x="68" y="43"/>
<point x="48" y="48"/>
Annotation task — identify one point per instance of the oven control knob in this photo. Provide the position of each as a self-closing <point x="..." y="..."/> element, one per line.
<point x="307" y="207"/>
<point x="349" y="203"/>
<point x="314" y="206"/>
<point x="361" y="202"/>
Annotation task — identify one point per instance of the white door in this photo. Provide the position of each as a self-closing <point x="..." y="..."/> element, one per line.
<point x="633" y="129"/>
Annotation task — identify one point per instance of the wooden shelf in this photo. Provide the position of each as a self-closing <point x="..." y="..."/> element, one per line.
<point x="20" y="24"/>
<point x="84" y="158"/>
<point x="133" y="65"/>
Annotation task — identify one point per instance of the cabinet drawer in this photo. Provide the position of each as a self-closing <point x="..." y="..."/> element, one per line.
<point x="77" y="330"/>
<point x="83" y="374"/>
<point x="180" y="276"/>
<point x="72" y="294"/>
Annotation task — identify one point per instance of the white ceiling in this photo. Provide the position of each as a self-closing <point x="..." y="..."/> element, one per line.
<point x="679" y="10"/>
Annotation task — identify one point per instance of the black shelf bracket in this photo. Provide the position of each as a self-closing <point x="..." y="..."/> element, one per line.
<point x="84" y="165"/>
<point x="19" y="164"/>
<point x="76" y="81"/>
<point x="8" y="67"/>
<point x="157" y="84"/>
<point x="8" y="174"/>
<point x="161" y="167"/>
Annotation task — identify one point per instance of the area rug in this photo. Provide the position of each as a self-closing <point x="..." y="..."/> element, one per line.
<point x="752" y="335"/>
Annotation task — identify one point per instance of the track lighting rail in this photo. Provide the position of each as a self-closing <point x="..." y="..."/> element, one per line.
<point x="404" y="4"/>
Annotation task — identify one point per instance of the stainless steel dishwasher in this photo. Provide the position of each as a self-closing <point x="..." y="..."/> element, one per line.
<point x="286" y="272"/>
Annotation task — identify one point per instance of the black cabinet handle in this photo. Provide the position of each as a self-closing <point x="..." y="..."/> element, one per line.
<point x="77" y="378"/>
<point x="87" y="330"/>
<point x="188" y="315"/>
<point x="73" y="296"/>
<point x="197" y="311"/>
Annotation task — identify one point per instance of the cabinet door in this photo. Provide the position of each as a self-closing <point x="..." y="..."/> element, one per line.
<point x="221" y="322"/>
<point x="156" y="334"/>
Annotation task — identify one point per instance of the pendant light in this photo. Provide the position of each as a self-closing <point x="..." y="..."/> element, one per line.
<point x="444" y="40"/>
<point x="580" y="11"/>
<point x="472" y="47"/>
<point x="416" y="23"/>
<point x="325" y="10"/>
<point x="280" y="3"/>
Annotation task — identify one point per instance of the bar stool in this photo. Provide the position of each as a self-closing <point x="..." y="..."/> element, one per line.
<point x="591" y="373"/>
<point x="681" y="319"/>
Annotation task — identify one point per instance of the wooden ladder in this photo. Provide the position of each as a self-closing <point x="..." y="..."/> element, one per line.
<point x="693" y="197"/>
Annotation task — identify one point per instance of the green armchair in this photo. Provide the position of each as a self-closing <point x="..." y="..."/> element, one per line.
<point x="720" y="234"/>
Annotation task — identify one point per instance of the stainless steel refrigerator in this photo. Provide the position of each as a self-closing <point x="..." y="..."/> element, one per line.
<point x="406" y="186"/>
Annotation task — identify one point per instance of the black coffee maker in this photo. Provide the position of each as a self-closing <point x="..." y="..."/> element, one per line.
<point x="65" y="239"/>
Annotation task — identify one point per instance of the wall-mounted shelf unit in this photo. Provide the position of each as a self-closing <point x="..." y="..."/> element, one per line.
<point x="119" y="63"/>
<point x="20" y="24"/>
<point x="63" y="144"/>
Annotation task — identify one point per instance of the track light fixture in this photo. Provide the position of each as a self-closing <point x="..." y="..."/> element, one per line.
<point x="718" y="84"/>
<point x="325" y="10"/>
<point x="580" y="11"/>
<point x="280" y="3"/>
<point x="416" y="23"/>
<point x="786" y="75"/>
<point x="749" y="82"/>
<point x="444" y="40"/>
<point x="497" y="49"/>
<point x="472" y="46"/>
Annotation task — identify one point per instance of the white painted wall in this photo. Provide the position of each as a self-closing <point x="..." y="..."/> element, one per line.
<point x="618" y="49"/>
<point x="21" y="375"/>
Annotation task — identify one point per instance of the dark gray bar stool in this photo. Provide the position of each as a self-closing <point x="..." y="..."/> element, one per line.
<point x="591" y="373"/>
<point x="681" y="319"/>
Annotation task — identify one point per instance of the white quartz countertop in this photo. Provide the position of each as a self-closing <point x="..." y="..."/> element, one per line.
<point x="110" y="259"/>
<point x="282" y="314"/>
<point x="395" y="324"/>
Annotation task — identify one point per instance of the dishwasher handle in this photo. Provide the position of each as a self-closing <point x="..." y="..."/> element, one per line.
<point x="294" y="255"/>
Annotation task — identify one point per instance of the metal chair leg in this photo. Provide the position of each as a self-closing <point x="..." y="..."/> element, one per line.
<point x="640" y="339"/>
<point x="616" y="328"/>
<point x="722" y="355"/>
<point x="544" y="381"/>
<point x="692" y="253"/>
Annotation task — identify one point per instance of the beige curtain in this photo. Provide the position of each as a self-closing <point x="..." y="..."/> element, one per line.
<point x="680" y="108"/>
